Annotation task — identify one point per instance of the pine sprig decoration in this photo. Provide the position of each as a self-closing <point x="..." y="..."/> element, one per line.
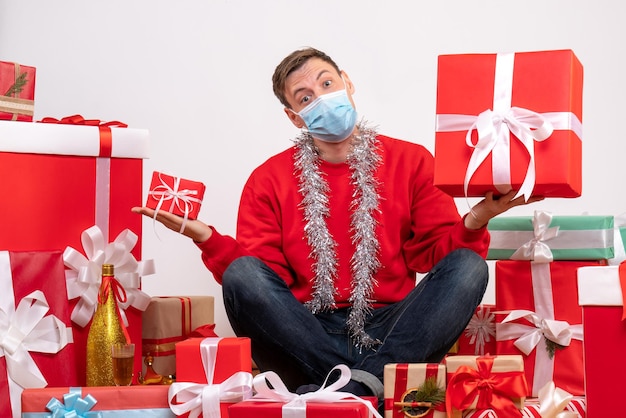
<point x="18" y="86"/>
<point x="429" y="391"/>
<point x="418" y="402"/>
<point x="551" y="348"/>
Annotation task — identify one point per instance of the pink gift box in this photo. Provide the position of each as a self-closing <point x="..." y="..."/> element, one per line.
<point x="118" y="402"/>
<point x="21" y="274"/>
<point x="601" y="295"/>
<point x="176" y="195"/>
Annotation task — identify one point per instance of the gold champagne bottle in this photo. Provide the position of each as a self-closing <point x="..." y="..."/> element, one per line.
<point x="106" y="328"/>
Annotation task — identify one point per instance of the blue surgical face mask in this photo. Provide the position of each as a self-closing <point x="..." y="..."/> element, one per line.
<point x="330" y="117"/>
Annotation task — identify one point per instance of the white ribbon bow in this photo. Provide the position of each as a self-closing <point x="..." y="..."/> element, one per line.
<point x="197" y="398"/>
<point x="553" y="401"/>
<point x="182" y="199"/>
<point x="480" y="330"/>
<point x="494" y="129"/>
<point x="536" y="249"/>
<point x="295" y="406"/>
<point x="85" y="273"/>
<point x="559" y="332"/>
<point x="26" y="330"/>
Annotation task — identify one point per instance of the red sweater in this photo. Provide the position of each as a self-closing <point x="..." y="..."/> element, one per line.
<point x="417" y="225"/>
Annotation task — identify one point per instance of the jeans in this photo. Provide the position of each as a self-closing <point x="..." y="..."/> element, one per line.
<point x="302" y="348"/>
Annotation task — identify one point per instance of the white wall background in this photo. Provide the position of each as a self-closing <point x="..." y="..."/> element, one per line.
<point x="197" y="74"/>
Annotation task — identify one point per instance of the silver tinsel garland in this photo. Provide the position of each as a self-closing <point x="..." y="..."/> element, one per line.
<point x="363" y="160"/>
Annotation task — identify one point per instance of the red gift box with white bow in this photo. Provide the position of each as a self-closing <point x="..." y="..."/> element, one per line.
<point x="36" y="348"/>
<point x="544" y="323"/>
<point x="65" y="176"/>
<point x="509" y="121"/>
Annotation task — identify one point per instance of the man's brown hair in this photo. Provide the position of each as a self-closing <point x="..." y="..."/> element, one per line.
<point x="291" y="63"/>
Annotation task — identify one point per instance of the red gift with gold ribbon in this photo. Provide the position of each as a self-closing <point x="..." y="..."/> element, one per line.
<point x="482" y="382"/>
<point x="17" y="91"/>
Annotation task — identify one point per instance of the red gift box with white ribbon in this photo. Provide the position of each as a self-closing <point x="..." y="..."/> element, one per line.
<point x="272" y="399"/>
<point x="65" y="176"/>
<point x="544" y="320"/>
<point x="179" y="196"/>
<point x="211" y="374"/>
<point x="509" y="121"/>
<point x="36" y="348"/>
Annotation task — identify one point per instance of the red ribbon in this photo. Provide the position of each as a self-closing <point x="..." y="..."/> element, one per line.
<point x="489" y="390"/>
<point x="106" y="139"/>
<point x="111" y="284"/>
<point x="622" y="282"/>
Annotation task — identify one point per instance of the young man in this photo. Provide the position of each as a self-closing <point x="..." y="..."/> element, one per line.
<point x="331" y="233"/>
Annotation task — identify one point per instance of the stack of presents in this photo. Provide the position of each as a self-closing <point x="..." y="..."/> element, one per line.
<point x="504" y="121"/>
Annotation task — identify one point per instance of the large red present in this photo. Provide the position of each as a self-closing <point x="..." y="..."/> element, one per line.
<point x="169" y="320"/>
<point x="65" y="178"/>
<point x="602" y="292"/>
<point x="405" y="383"/>
<point x="211" y="374"/>
<point x="35" y="338"/>
<point x="17" y="91"/>
<point x="479" y="337"/>
<point x="176" y="195"/>
<point x="509" y="121"/>
<point x="110" y="401"/>
<point x="273" y="400"/>
<point x="480" y="382"/>
<point x="545" y="321"/>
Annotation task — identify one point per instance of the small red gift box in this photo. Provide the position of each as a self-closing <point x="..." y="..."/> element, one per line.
<point x="222" y="356"/>
<point x="545" y="323"/>
<point x="259" y="409"/>
<point x="118" y="402"/>
<point x="36" y="349"/>
<point x="479" y="382"/>
<point x="17" y="91"/>
<point x="87" y="173"/>
<point x="176" y="195"/>
<point x="211" y="361"/>
<point x="602" y="292"/>
<point x="479" y="337"/>
<point x="168" y="320"/>
<point x="509" y="121"/>
<point x="404" y="380"/>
